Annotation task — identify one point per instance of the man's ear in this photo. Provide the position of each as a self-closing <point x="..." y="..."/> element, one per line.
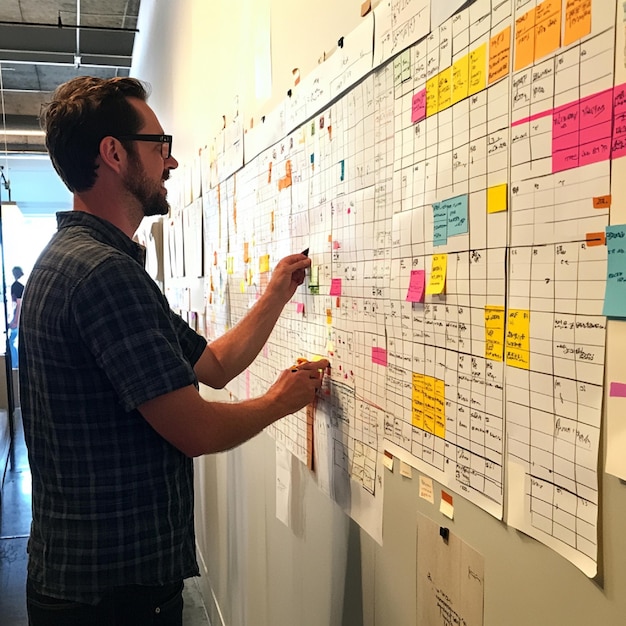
<point x="112" y="153"/>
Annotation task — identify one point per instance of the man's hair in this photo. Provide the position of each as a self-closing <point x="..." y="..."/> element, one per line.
<point x="81" y="113"/>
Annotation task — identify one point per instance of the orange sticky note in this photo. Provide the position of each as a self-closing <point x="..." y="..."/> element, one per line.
<point x="246" y="256"/>
<point x="596" y="239"/>
<point x="547" y="27"/>
<point x="602" y="202"/>
<point x="524" y="40"/>
<point x="577" y="20"/>
<point x="499" y="55"/>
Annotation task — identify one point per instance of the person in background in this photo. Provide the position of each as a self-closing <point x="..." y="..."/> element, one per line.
<point x="109" y="380"/>
<point x="17" y="291"/>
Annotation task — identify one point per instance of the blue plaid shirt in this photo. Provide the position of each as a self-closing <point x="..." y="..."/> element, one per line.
<point x="112" y="499"/>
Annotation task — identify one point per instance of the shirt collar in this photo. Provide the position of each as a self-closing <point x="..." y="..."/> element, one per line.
<point x="104" y="231"/>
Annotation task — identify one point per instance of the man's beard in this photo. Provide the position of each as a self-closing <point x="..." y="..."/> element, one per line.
<point x="148" y="193"/>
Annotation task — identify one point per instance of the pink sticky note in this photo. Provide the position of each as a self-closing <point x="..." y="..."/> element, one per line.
<point x="618" y="147"/>
<point x="415" y="292"/>
<point x="618" y="390"/>
<point x="335" y="287"/>
<point x="379" y="356"/>
<point x="418" y="106"/>
<point x="299" y="307"/>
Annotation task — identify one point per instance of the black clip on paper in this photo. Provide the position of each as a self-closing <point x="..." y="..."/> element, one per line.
<point x="340" y="42"/>
<point x="289" y="93"/>
<point x="445" y="533"/>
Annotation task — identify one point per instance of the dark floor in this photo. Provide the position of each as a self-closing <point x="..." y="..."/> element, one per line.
<point x="15" y="516"/>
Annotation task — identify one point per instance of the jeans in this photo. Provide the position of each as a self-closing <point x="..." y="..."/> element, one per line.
<point x="132" y="605"/>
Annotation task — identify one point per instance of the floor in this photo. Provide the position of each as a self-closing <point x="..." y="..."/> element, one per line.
<point x="15" y="516"/>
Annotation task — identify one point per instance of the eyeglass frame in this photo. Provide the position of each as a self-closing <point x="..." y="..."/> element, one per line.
<point x="164" y="140"/>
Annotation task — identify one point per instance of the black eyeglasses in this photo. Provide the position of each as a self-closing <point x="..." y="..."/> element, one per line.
<point x="164" y="140"/>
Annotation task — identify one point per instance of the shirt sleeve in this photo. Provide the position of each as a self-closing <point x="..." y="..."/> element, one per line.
<point x="141" y="346"/>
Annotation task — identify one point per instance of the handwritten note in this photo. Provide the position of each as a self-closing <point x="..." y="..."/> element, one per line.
<point x="499" y="55"/>
<point x="335" y="287"/>
<point x="418" y="106"/>
<point x="524" y="40"/>
<point x="460" y="79"/>
<point x="415" y="292"/>
<point x="478" y="69"/>
<point x="458" y="223"/>
<point x="547" y="27"/>
<point x="440" y="224"/>
<point x="494" y="333"/>
<point x="615" y="290"/>
<point x="437" y="282"/>
<point x="577" y="20"/>
<point x="518" y="339"/>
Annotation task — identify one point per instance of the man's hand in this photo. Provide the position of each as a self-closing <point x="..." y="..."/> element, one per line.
<point x="296" y="387"/>
<point x="287" y="276"/>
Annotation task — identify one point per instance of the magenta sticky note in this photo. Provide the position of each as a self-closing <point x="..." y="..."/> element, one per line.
<point x="618" y="390"/>
<point x="415" y="292"/>
<point x="379" y="356"/>
<point x="299" y="307"/>
<point x="335" y="287"/>
<point x="418" y="106"/>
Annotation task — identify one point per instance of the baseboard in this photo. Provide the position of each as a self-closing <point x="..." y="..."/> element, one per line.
<point x="208" y="595"/>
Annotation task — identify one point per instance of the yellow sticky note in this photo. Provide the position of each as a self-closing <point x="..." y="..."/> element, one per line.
<point x="524" y="40"/>
<point x="444" y="89"/>
<point x="264" y="263"/>
<point x="547" y="28"/>
<point x="242" y="286"/>
<point x="440" y="408"/>
<point x="499" y="55"/>
<point x="437" y="282"/>
<point x="577" y="20"/>
<point x="518" y="338"/>
<point x="494" y="332"/>
<point x="429" y="404"/>
<point x="230" y="264"/>
<point x="417" y="412"/>
<point x="460" y="79"/>
<point x="478" y="69"/>
<point x="497" y="198"/>
<point x="432" y="96"/>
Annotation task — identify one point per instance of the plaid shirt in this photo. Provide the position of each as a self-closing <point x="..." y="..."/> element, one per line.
<point x="112" y="500"/>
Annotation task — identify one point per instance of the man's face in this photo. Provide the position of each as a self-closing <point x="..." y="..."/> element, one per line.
<point x="149" y="192"/>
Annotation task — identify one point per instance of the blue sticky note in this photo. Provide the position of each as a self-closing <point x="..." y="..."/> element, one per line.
<point x="440" y="224"/>
<point x="615" y="293"/>
<point x="458" y="222"/>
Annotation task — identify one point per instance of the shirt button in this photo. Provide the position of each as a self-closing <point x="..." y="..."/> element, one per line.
<point x="157" y="610"/>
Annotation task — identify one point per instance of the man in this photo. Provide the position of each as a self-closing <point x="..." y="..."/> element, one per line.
<point x="17" y="291"/>
<point x="111" y="409"/>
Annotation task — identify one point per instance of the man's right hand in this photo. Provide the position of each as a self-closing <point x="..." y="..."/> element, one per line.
<point x="296" y="386"/>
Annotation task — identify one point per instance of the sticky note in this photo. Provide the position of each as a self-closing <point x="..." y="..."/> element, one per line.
<point x="437" y="282"/>
<point x="499" y="55"/>
<point x="418" y="106"/>
<point x="595" y="239"/>
<point x="460" y="79"/>
<point x="432" y="96"/>
<point x="577" y="20"/>
<point x="458" y="222"/>
<point x="524" y="40"/>
<point x="444" y="89"/>
<point x="406" y="470"/>
<point x="230" y="264"/>
<point x="615" y="289"/>
<point x="602" y="202"/>
<point x="335" y="287"/>
<point x="246" y="255"/>
<point x="497" y="198"/>
<point x="446" y="506"/>
<point x="617" y="390"/>
<point x="478" y="69"/>
<point x="426" y="491"/>
<point x="518" y="338"/>
<point x="299" y="307"/>
<point x="379" y="356"/>
<point x="547" y="28"/>
<point x="264" y="263"/>
<point x="415" y="292"/>
<point x="388" y="460"/>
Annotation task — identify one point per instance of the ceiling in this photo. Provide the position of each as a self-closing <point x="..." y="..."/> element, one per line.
<point x="43" y="43"/>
